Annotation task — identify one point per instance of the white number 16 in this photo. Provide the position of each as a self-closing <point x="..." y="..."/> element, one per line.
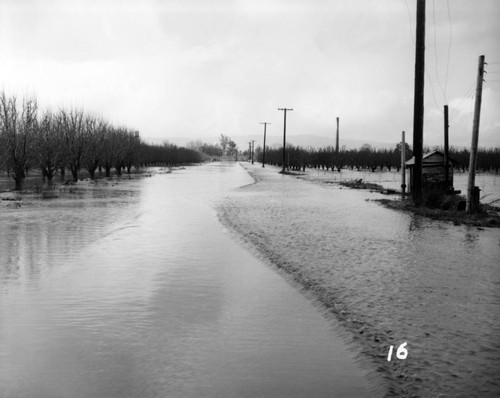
<point x="401" y="353"/>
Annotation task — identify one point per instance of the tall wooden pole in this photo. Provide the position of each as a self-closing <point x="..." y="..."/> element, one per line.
<point x="446" y="149"/>
<point x="284" y="136"/>
<point x="253" y="143"/>
<point x="418" y="108"/>
<point x="403" y="166"/>
<point x="470" y="204"/>
<point x="264" y="151"/>
<point x="337" y="140"/>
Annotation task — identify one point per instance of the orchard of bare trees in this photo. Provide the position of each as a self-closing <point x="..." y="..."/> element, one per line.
<point x="369" y="158"/>
<point x="73" y="140"/>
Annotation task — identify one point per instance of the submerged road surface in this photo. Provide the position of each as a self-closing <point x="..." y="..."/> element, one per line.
<point x="138" y="291"/>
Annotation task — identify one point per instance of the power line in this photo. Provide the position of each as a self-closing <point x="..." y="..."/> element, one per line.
<point x="449" y="45"/>
<point x="436" y="52"/>
<point x="409" y="19"/>
<point x="432" y="89"/>
<point x="469" y="95"/>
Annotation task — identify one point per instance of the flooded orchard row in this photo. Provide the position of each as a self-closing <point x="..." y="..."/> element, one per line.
<point x="488" y="183"/>
<point x="136" y="290"/>
<point x="390" y="277"/>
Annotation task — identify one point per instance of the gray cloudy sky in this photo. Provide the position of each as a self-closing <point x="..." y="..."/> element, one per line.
<point x="199" y="68"/>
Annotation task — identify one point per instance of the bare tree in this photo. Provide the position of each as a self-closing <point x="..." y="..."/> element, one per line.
<point x="132" y="149"/>
<point x="17" y="131"/>
<point x="75" y="138"/>
<point x="110" y="150"/>
<point x="95" y="133"/>
<point x="49" y="145"/>
<point x="224" y="142"/>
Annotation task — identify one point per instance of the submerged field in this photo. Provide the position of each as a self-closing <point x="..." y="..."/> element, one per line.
<point x="389" y="277"/>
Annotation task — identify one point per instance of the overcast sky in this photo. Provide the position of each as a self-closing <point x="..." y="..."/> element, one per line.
<point x="199" y="68"/>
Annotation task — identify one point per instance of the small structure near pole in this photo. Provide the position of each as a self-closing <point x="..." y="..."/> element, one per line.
<point x="434" y="173"/>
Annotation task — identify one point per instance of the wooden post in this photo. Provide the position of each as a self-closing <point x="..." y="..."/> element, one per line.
<point x="403" y="168"/>
<point x="264" y="150"/>
<point x="418" y="106"/>
<point x="446" y="149"/>
<point x="470" y="204"/>
<point x="284" y="136"/>
<point x="253" y="143"/>
<point x="337" y="140"/>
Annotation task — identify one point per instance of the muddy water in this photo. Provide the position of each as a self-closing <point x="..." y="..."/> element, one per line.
<point x="488" y="183"/>
<point x="138" y="291"/>
<point x="389" y="277"/>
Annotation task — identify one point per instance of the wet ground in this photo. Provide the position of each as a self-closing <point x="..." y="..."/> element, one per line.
<point x="389" y="277"/>
<point x="133" y="288"/>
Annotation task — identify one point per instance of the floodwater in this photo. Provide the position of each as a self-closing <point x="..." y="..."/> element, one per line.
<point x="137" y="290"/>
<point x="488" y="183"/>
<point x="389" y="277"/>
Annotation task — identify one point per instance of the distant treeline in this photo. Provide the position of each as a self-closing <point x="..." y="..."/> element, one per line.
<point x="73" y="140"/>
<point x="369" y="158"/>
<point x="226" y="147"/>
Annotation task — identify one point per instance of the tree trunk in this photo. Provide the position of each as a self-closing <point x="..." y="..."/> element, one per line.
<point x="74" y="173"/>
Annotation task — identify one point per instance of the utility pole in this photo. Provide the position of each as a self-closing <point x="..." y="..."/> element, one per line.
<point x="403" y="161"/>
<point x="253" y="143"/>
<point x="418" y="108"/>
<point x="471" y="202"/>
<point x="337" y="141"/>
<point x="264" y="151"/>
<point x="249" y="151"/>
<point x="446" y="148"/>
<point x="284" y="136"/>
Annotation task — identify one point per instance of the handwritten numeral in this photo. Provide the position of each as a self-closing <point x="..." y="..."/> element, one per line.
<point x="401" y="352"/>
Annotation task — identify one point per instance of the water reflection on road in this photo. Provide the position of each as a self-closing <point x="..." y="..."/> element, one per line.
<point x="390" y="276"/>
<point x="138" y="292"/>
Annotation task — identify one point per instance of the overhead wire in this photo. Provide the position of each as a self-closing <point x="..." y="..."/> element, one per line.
<point x="436" y="51"/>
<point x="470" y="94"/>
<point x="425" y="67"/>
<point x="449" y="45"/>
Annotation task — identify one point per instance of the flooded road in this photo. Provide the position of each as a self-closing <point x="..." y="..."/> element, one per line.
<point x="390" y="277"/>
<point x="138" y="291"/>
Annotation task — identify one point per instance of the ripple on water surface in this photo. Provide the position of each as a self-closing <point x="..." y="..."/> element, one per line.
<point x="389" y="276"/>
<point x="143" y="294"/>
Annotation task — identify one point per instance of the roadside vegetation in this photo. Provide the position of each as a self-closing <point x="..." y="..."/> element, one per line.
<point x="369" y="158"/>
<point x="69" y="141"/>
